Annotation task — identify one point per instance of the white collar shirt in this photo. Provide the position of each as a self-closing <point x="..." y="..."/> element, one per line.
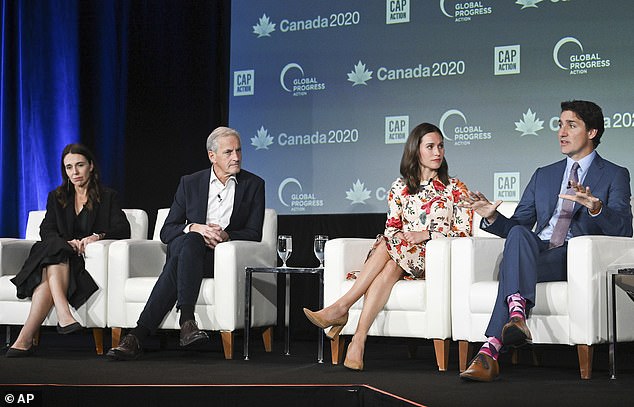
<point x="220" y="200"/>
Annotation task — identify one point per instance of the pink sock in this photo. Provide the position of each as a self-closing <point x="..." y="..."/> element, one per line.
<point x="517" y="306"/>
<point x="492" y="347"/>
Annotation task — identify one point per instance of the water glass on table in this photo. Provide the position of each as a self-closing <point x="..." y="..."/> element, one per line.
<point x="318" y="247"/>
<point x="284" y="248"/>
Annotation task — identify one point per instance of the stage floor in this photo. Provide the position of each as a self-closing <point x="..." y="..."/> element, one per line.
<point x="71" y="361"/>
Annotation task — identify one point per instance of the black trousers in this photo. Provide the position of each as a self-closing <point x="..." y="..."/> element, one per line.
<point x="188" y="261"/>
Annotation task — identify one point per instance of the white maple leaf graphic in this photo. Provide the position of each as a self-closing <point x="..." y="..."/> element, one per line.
<point x="358" y="193"/>
<point x="528" y="3"/>
<point x="360" y="75"/>
<point x="263" y="140"/>
<point x="529" y="124"/>
<point x="264" y="27"/>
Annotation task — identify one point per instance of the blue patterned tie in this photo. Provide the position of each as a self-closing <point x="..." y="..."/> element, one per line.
<point x="560" y="230"/>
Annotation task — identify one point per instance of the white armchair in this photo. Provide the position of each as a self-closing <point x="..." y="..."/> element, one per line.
<point x="93" y="314"/>
<point x="136" y="266"/>
<point x="571" y="312"/>
<point x="415" y="309"/>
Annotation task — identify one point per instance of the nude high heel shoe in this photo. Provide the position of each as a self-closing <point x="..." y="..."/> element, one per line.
<point x="335" y="324"/>
<point x="356" y="365"/>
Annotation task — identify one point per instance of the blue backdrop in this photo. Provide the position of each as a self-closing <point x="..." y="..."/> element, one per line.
<point x="41" y="100"/>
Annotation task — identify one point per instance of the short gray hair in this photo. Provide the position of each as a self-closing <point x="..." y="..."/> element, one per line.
<point x="212" y="140"/>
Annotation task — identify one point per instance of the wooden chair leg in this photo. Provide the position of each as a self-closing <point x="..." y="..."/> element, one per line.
<point x="267" y="337"/>
<point x="464" y="354"/>
<point x="336" y="350"/>
<point x="515" y="357"/>
<point x="227" y="343"/>
<point x="441" y="346"/>
<point x="585" y="353"/>
<point x="116" y="336"/>
<point x="97" y="333"/>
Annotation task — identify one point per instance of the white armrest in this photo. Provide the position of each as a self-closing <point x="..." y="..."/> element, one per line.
<point x="340" y="257"/>
<point x="588" y="261"/>
<point x="473" y="259"/>
<point x="438" y="290"/>
<point x="13" y="253"/>
<point x="96" y="259"/>
<point x="130" y="258"/>
<point x="230" y="260"/>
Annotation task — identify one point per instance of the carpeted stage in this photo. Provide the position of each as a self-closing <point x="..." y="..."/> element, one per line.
<point x="65" y="371"/>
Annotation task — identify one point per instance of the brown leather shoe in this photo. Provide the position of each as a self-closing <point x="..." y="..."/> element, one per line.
<point x="515" y="333"/>
<point x="483" y="368"/>
<point x="190" y="334"/>
<point x="129" y="349"/>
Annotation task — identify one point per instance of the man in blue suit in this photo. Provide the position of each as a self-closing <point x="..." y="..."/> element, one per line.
<point x="211" y="206"/>
<point x="580" y="195"/>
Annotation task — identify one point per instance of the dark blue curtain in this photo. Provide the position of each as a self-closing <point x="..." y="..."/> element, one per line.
<point x="47" y="101"/>
<point x="39" y="103"/>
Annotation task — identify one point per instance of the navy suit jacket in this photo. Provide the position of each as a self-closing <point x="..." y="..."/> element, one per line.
<point x="607" y="181"/>
<point x="190" y="206"/>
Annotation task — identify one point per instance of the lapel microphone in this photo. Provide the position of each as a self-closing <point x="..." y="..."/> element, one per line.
<point x="219" y="198"/>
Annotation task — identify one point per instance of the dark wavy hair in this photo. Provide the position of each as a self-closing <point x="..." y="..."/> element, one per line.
<point x="65" y="192"/>
<point x="410" y="162"/>
<point x="590" y="113"/>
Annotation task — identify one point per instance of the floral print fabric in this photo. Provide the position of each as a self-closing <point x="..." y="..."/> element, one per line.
<point x="434" y="208"/>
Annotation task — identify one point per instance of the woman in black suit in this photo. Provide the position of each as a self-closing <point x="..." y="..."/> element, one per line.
<point x="78" y="212"/>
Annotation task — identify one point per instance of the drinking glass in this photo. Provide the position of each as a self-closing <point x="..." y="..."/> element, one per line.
<point x="284" y="247"/>
<point x="318" y="247"/>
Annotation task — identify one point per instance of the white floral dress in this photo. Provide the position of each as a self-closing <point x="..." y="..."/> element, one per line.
<point x="433" y="208"/>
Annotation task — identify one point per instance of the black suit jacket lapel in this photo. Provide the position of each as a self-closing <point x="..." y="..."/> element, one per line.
<point x="203" y="193"/>
<point x="241" y="186"/>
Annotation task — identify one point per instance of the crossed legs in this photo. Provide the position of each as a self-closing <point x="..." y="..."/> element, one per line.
<point x="375" y="282"/>
<point x="51" y="292"/>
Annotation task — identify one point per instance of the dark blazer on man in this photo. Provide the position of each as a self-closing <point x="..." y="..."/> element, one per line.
<point x="607" y="181"/>
<point x="190" y="206"/>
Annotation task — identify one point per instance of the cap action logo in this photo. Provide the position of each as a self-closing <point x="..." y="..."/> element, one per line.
<point x="396" y="11"/>
<point x="580" y="62"/>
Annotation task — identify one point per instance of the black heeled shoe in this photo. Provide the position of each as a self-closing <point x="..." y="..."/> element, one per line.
<point x="19" y="353"/>
<point x="69" y="329"/>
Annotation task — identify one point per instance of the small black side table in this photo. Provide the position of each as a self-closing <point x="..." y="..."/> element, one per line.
<point x="624" y="278"/>
<point x="287" y="271"/>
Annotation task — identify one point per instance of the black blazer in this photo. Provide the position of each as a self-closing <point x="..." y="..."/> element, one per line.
<point x="190" y="206"/>
<point x="106" y="217"/>
<point x="56" y="230"/>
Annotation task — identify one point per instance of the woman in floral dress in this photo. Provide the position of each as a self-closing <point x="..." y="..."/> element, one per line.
<point x="424" y="204"/>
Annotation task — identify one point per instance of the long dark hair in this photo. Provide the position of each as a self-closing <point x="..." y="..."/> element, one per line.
<point x="65" y="192"/>
<point x="410" y="162"/>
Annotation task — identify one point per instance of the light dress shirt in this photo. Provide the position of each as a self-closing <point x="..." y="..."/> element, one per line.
<point x="584" y="165"/>
<point x="219" y="201"/>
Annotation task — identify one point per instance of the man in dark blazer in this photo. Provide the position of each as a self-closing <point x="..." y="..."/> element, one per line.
<point x="583" y="194"/>
<point x="211" y="206"/>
